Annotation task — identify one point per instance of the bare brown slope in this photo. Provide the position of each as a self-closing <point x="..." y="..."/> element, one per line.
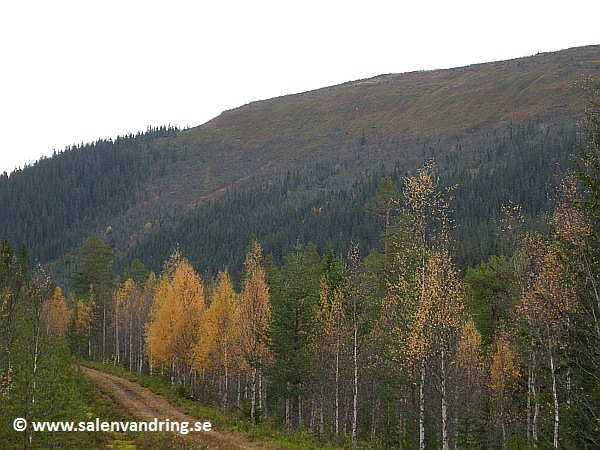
<point x="420" y="103"/>
<point x="265" y="139"/>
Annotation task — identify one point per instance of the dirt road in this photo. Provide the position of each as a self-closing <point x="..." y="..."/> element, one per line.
<point x="146" y="406"/>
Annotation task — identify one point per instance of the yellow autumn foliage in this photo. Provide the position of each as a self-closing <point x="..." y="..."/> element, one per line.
<point x="438" y="316"/>
<point x="177" y="307"/>
<point x="56" y="315"/>
<point x="504" y="374"/>
<point x="255" y="309"/>
<point x="468" y="358"/>
<point x="217" y="348"/>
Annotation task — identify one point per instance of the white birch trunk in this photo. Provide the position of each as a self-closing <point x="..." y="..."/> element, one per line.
<point x="503" y="422"/>
<point x="117" y="349"/>
<point x="131" y="342"/>
<point x="536" y="413"/>
<point x="260" y="391"/>
<point x="239" y="391"/>
<point x="422" y="382"/>
<point x="264" y="412"/>
<point x="35" y="359"/>
<point x="321" y="419"/>
<point x="445" y="440"/>
<point x="226" y="387"/>
<point x="141" y="357"/>
<point x="374" y="414"/>
<point x="103" y="330"/>
<point x="299" y="410"/>
<point x="253" y="397"/>
<point x="529" y="412"/>
<point x="355" y="393"/>
<point x="422" y="406"/>
<point x="456" y="432"/>
<point x="555" y="401"/>
<point x="287" y="414"/>
<point x="337" y="388"/>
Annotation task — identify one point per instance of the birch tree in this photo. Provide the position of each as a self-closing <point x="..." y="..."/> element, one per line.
<point x="525" y="247"/>
<point x="546" y="308"/>
<point x="140" y="313"/>
<point x="328" y="342"/>
<point x="469" y="379"/>
<point x="503" y="382"/>
<point x="327" y="346"/>
<point x="435" y="326"/>
<point x="255" y="312"/>
<point x="218" y="347"/>
<point x="132" y="302"/>
<point x="426" y="215"/>
<point x="56" y="315"/>
<point x="83" y="317"/>
<point x="39" y="383"/>
<point x="581" y="251"/>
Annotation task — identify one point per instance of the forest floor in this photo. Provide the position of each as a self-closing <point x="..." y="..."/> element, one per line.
<point x="147" y="406"/>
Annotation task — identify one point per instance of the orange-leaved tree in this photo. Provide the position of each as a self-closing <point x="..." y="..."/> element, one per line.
<point x="172" y="331"/>
<point x="218" y="348"/>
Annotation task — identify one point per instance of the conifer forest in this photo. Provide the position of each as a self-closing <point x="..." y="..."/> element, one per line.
<point x="417" y="334"/>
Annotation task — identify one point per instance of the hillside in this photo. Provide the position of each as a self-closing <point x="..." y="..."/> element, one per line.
<point x="396" y="112"/>
<point x="420" y="103"/>
<point x="499" y="129"/>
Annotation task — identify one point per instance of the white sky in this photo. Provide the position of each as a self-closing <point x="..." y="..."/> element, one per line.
<point x="76" y="71"/>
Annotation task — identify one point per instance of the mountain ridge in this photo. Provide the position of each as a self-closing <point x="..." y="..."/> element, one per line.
<point x="465" y="117"/>
<point x="440" y="80"/>
<point x="304" y="126"/>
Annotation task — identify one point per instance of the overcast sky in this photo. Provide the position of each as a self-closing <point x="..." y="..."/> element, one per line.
<point x="76" y="71"/>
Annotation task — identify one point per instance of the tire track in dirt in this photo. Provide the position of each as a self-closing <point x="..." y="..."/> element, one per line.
<point x="146" y="406"/>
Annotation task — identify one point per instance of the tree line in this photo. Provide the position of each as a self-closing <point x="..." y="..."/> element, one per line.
<point x="324" y="202"/>
<point x="391" y="347"/>
<point x="36" y="378"/>
<point x="52" y="204"/>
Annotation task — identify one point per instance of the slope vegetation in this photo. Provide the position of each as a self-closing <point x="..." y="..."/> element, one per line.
<point x="483" y="123"/>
